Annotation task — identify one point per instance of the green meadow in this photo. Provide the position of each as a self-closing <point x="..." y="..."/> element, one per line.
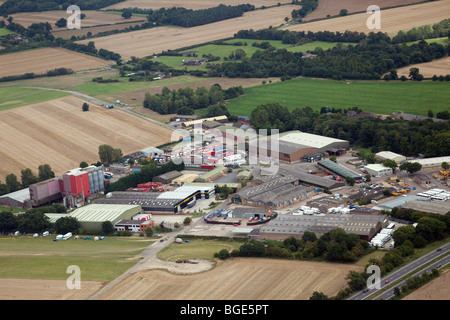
<point x="12" y="97"/>
<point x="371" y="96"/>
<point x="23" y="257"/>
<point x="4" y="32"/>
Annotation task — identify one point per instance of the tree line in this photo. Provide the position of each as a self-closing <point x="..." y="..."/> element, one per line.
<point x="186" y="100"/>
<point x="405" y="137"/>
<point x="28" y="177"/>
<point x="369" y="59"/>
<point x="15" y="6"/>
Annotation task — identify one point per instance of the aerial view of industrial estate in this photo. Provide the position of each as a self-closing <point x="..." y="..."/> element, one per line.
<point x="250" y="151"/>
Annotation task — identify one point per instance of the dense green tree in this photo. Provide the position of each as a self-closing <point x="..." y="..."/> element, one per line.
<point x="45" y="172"/>
<point x="32" y="221"/>
<point x="108" y="154"/>
<point x="8" y="222"/>
<point x="12" y="183"/>
<point x="66" y="224"/>
<point x="108" y="228"/>
<point x="319" y="296"/>
<point x="28" y="177"/>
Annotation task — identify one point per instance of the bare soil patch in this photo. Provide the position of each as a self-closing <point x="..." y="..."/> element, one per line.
<point x="392" y="20"/>
<point x="236" y="279"/>
<point x="42" y="60"/>
<point x="147" y="42"/>
<point x="59" y="133"/>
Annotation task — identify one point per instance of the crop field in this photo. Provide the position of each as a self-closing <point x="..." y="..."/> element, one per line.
<point x="191" y="4"/>
<point x="59" y="133"/>
<point x="4" y="32"/>
<point x="45" y="59"/>
<point x="437" y="289"/>
<point x="428" y="69"/>
<point x="36" y="268"/>
<point x="392" y="20"/>
<point x="371" y="96"/>
<point x="236" y="279"/>
<point x="332" y="7"/>
<point x="148" y="42"/>
<point x="67" y="34"/>
<point x="93" y="18"/>
<point x="18" y="97"/>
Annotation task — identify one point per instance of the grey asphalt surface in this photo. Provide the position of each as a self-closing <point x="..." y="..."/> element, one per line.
<point x="400" y="273"/>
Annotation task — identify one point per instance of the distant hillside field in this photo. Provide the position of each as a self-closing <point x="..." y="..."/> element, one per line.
<point x="372" y="96"/>
<point x="392" y="20"/>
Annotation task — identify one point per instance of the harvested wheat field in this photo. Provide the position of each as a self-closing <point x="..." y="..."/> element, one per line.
<point x="332" y="7"/>
<point x="42" y="60"/>
<point x="67" y="34"/>
<point x="437" y="289"/>
<point x="236" y="279"/>
<point x="392" y="20"/>
<point x="93" y="18"/>
<point x="428" y="69"/>
<point x="144" y="43"/>
<point x="59" y="133"/>
<point x="191" y="4"/>
<point x="30" y="289"/>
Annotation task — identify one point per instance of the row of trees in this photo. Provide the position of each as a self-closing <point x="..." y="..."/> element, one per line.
<point x="405" y="137"/>
<point x="27" y="178"/>
<point x="440" y="29"/>
<point x="185" y="100"/>
<point x="335" y="245"/>
<point x="14" y="6"/>
<point x="190" y="18"/>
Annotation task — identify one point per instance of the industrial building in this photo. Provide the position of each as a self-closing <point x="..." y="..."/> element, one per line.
<point x="378" y="170"/>
<point x="166" y="178"/>
<point x="151" y="152"/>
<point x="432" y="162"/>
<point x="134" y="225"/>
<point x="18" y="199"/>
<point x="192" y="123"/>
<point x="185" y="178"/>
<point x="212" y="174"/>
<point x="437" y="207"/>
<point x="365" y="226"/>
<point x="294" y="146"/>
<point x="388" y="155"/>
<point x="92" y="216"/>
<point x="340" y="170"/>
<point x="327" y="202"/>
<point x="243" y="175"/>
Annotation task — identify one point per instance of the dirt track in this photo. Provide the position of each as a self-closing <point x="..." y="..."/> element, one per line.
<point x="59" y="133"/>
<point x="144" y="43"/>
<point x="392" y="20"/>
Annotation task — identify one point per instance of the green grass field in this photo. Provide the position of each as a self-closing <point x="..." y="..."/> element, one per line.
<point x="4" y="32"/>
<point x="223" y="51"/>
<point x="372" y="96"/>
<point x="12" y="97"/>
<point x="43" y="258"/>
<point x="196" y="249"/>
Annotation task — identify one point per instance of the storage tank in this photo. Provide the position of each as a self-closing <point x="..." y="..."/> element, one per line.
<point x="101" y="178"/>
<point x="96" y="181"/>
<point x="91" y="181"/>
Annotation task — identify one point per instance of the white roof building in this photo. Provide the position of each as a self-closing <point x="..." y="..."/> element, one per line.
<point x="432" y="162"/>
<point x="378" y="170"/>
<point x="388" y="155"/>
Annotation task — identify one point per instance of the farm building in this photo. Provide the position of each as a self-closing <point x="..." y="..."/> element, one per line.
<point x="46" y="191"/>
<point x="18" y="199"/>
<point x="410" y="117"/>
<point x="388" y="155"/>
<point x="185" y="178"/>
<point x="293" y="146"/>
<point x="152" y="152"/>
<point x="134" y="225"/>
<point x="92" y="216"/>
<point x="365" y="226"/>
<point x="168" y="177"/>
<point x="378" y="170"/>
<point x="432" y="162"/>
<point x="338" y="169"/>
<point x="244" y="175"/>
<point x="192" y="123"/>
<point x="210" y="124"/>
<point x="212" y="174"/>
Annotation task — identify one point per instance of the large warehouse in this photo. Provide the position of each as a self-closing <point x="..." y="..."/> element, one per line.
<point x="295" y="145"/>
<point x="92" y="216"/>
<point x="365" y="226"/>
<point x="388" y="155"/>
<point x="338" y="169"/>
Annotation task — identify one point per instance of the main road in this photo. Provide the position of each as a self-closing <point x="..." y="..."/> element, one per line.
<point x="402" y="272"/>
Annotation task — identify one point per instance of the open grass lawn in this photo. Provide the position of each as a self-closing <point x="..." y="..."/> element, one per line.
<point x="12" y="97"/>
<point x="23" y="257"/>
<point x="4" y="32"/>
<point x="372" y="96"/>
<point x="196" y="249"/>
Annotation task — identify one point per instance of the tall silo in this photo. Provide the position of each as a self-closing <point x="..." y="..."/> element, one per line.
<point x="96" y="181"/>
<point x="101" y="176"/>
<point x="91" y="182"/>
